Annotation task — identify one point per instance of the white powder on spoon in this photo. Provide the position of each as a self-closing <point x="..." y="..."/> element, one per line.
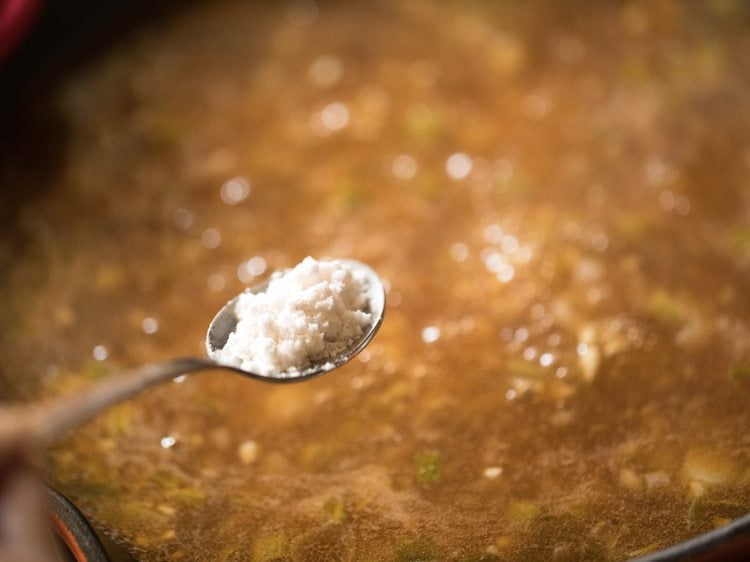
<point x="306" y="315"/>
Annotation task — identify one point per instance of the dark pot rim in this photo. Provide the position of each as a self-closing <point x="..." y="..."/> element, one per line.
<point x="73" y="529"/>
<point x="729" y="542"/>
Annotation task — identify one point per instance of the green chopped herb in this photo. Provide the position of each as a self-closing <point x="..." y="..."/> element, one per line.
<point x="524" y="511"/>
<point x="120" y="420"/>
<point x="334" y="510"/>
<point x="188" y="496"/>
<point x="95" y="370"/>
<point x="270" y="547"/>
<point x="740" y="372"/>
<point x="423" y="123"/>
<point x="666" y="307"/>
<point x="417" y="551"/>
<point x="740" y="238"/>
<point x="524" y="368"/>
<point x="481" y="557"/>
<point x="428" y="466"/>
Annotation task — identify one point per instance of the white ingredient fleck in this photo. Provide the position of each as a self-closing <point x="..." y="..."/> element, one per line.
<point x="248" y="451"/>
<point x="492" y="472"/>
<point x="100" y="353"/>
<point x="150" y="325"/>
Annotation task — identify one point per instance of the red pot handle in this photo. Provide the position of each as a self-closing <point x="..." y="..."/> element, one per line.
<point x="16" y="16"/>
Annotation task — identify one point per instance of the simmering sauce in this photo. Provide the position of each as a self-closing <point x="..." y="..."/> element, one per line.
<point x="558" y="198"/>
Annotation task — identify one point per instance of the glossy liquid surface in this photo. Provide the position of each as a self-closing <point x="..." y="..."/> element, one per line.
<point x="559" y="201"/>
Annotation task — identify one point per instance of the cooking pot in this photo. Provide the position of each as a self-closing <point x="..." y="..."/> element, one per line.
<point x="44" y="41"/>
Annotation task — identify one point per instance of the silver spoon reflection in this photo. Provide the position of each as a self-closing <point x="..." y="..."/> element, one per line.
<point x="47" y="421"/>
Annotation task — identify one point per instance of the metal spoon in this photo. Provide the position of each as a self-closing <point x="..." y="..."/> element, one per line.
<point x="47" y="421"/>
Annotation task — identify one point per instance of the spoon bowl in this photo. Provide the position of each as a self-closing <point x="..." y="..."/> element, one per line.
<point x="225" y="322"/>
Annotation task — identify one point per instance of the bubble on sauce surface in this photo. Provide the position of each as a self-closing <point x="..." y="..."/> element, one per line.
<point x="235" y="190"/>
<point x="326" y="70"/>
<point x="458" y="166"/>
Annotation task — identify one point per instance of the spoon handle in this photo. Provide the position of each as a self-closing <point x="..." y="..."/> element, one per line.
<point x="49" y="420"/>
